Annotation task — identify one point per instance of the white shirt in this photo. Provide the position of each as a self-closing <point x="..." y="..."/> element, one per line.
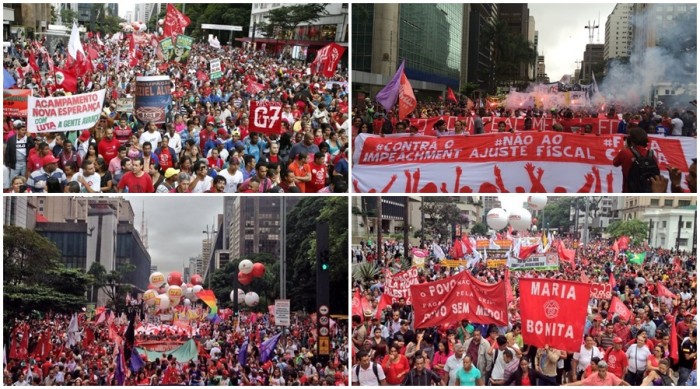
<point x="499" y="365"/>
<point x="154" y="138"/>
<point x="93" y="180"/>
<point x="452" y="365"/>
<point x="637" y="357"/>
<point x="232" y="180"/>
<point x="175" y="142"/>
<point x="584" y="356"/>
<point x="677" y="124"/>
<point x="203" y="185"/>
<point x="367" y="377"/>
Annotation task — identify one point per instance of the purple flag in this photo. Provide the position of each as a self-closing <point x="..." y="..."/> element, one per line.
<point x="388" y="96"/>
<point x="268" y="347"/>
<point x="136" y="362"/>
<point x="243" y="353"/>
<point x="119" y="373"/>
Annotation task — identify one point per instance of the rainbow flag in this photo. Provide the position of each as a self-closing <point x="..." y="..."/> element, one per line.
<point x="208" y="297"/>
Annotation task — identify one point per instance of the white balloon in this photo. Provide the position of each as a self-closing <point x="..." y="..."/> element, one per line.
<point x="164" y="302"/>
<point x="157" y="279"/>
<point x="246" y="266"/>
<point x="187" y="302"/>
<point x="188" y="293"/>
<point x="196" y="289"/>
<point x="537" y="202"/>
<point x="497" y="219"/>
<point x="252" y="299"/>
<point x="520" y="219"/>
<point x="241" y="296"/>
<point x="160" y="22"/>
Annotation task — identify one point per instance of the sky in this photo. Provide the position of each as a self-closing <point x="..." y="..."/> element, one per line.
<point x="175" y="226"/>
<point x="511" y="201"/>
<point x="562" y="36"/>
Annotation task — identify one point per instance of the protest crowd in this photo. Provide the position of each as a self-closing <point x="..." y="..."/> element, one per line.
<point x="207" y="139"/>
<point x="251" y="353"/>
<point x="639" y="324"/>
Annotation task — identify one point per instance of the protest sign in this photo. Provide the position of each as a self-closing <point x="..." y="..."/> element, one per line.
<point x="452" y="263"/>
<point x="14" y="102"/>
<point x="548" y="261"/>
<point x="183" y="47"/>
<point x="125" y="104"/>
<point x="167" y="48"/>
<point x="553" y="312"/>
<point x="534" y="162"/>
<point x="266" y="117"/>
<point x="602" y="126"/>
<point x="619" y="309"/>
<point x="215" y="69"/>
<point x="456" y="298"/>
<point x="282" y="313"/>
<point x="601" y="291"/>
<point x="496" y="258"/>
<point x="153" y="99"/>
<point x="419" y="256"/>
<point x="485" y="243"/>
<point x="64" y="113"/>
<point x="398" y="285"/>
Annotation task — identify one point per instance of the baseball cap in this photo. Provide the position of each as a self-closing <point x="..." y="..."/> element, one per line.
<point x="19" y="123"/>
<point x="171" y="172"/>
<point x="48" y="159"/>
<point x="668" y="316"/>
<point x="222" y="133"/>
<point x="85" y="135"/>
<point x="236" y="133"/>
<point x="617" y="339"/>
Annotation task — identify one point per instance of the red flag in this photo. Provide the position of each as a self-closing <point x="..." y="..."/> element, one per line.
<point x="384" y="302"/>
<point x="674" y="341"/>
<point x="202" y="75"/>
<point x="509" y="287"/>
<point x="617" y="307"/>
<point x="66" y="79"/>
<point x="616" y="248"/>
<point x="359" y="304"/>
<point x="623" y="242"/>
<point x="584" y="277"/>
<point x="457" y="249"/>
<point x="566" y="254"/>
<point x="407" y="100"/>
<point x="467" y="244"/>
<point x="89" y="337"/>
<point x="92" y="53"/>
<point x="451" y="95"/>
<point x="32" y="62"/>
<point x="133" y="60"/>
<point x="175" y="22"/>
<point x="612" y="280"/>
<point x="553" y="312"/>
<point x="254" y="87"/>
<point x="526" y="251"/>
<point x="676" y="264"/>
<point x="663" y="291"/>
<point x="327" y="59"/>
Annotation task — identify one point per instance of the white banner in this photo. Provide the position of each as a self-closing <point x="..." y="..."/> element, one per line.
<point x="524" y="162"/>
<point x="65" y="113"/>
<point x="282" y="313"/>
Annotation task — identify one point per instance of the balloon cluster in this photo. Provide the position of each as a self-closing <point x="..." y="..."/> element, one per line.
<point x="167" y="293"/>
<point x="520" y="218"/>
<point x="247" y="271"/>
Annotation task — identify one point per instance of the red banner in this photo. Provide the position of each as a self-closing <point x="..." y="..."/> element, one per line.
<point x="460" y="297"/>
<point x="254" y="87"/>
<point x="663" y="291"/>
<point x="266" y="117"/>
<point x="327" y="59"/>
<point x="398" y="285"/>
<point x="14" y="102"/>
<point x="175" y="22"/>
<point x="553" y="312"/>
<point x="620" y="309"/>
<point x="407" y="100"/>
<point x="601" y="291"/>
<point x="602" y="126"/>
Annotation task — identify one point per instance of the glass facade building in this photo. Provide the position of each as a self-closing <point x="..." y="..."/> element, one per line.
<point x="362" y="34"/>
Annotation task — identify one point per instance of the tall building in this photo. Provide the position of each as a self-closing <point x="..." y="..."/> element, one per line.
<point x="672" y="228"/>
<point x="430" y="37"/>
<point x="25" y="18"/>
<point x="651" y="21"/>
<point x="87" y="13"/>
<point x="331" y="27"/>
<point x="593" y="61"/>
<point x="635" y="206"/>
<point x="75" y="208"/>
<point x="619" y="32"/>
<point x="532" y="39"/>
<point x="480" y="66"/>
<point x="517" y="17"/>
<point x="255" y="225"/>
<point x="19" y="212"/>
<point x="144" y="11"/>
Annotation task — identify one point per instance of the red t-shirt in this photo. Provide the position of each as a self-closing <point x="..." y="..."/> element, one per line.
<point x="301" y="171"/>
<point x="108" y="148"/>
<point x="34" y="162"/>
<point x="318" y="178"/>
<point x="215" y="162"/>
<point x="165" y="159"/>
<point x="526" y="380"/>
<point x="625" y="158"/>
<point x="142" y="184"/>
<point x="122" y="134"/>
<point x="204" y="136"/>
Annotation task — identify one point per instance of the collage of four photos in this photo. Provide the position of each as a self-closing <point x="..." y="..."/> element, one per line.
<point x="349" y="194"/>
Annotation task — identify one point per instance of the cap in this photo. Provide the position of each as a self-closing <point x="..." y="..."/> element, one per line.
<point x="85" y="135"/>
<point x="19" y="123"/>
<point x="222" y="133"/>
<point x="668" y="316"/>
<point x="368" y="312"/>
<point x="236" y="133"/>
<point x="603" y="364"/>
<point x="617" y="339"/>
<point x="171" y="172"/>
<point x="48" y="159"/>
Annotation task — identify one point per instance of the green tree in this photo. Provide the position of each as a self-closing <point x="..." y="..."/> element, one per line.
<point x="556" y="215"/>
<point x="27" y="256"/>
<point x="636" y="230"/>
<point x="54" y="16"/>
<point x="68" y="16"/>
<point x="267" y="286"/>
<point x="365" y="272"/>
<point x="282" y="21"/>
<point x="440" y="215"/>
<point x="509" y="50"/>
<point x="113" y="283"/>
<point x="480" y="229"/>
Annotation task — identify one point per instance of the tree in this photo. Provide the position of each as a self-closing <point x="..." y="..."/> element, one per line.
<point x="441" y="214"/>
<point x="480" y="229"/>
<point x="282" y="21"/>
<point x="509" y="51"/>
<point x="365" y="272"/>
<point x="267" y="286"/>
<point x="54" y="16"/>
<point x="27" y="256"/>
<point x="557" y="215"/>
<point x="636" y="230"/>
<point x="68" y="16"/>
<point x="113" y="284"/>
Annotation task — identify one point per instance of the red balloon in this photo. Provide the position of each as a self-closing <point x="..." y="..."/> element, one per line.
<point x="534" y="220"/>
<point x="258" y="270"/>
<point x="196" y="279"/>
<point x="245" y="279"/>
<point x="175" y="278"/>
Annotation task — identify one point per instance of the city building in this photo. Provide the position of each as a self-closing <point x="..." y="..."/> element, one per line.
<point x="517" y="17"/>
<point x="331" y="27"/>
<point x="593" y="61"/>
<point x="480" y="66"/>
<point x="144" y="11"/>
<point x="635" y="206"/>
<point x="429" y="37"/>
<point x="75" y="208"/>
<point x="541" y="75"/>
<point x="87" y="13"/>
<point x="19" y="212"/>
<point x="672" y="229"/>
<point x="154" y="268"/>
<point x="254" y="226"/>
<point x="533" y="40"/>
<point x="619" y="33"/>
<point x="602" y="212"/>
<point x="25" y="19"/>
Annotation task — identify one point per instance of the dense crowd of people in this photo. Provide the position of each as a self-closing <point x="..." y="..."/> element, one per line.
<point x="389" y="350"/>
<point x="94" y="360"/>
<point x="206" y="145"/>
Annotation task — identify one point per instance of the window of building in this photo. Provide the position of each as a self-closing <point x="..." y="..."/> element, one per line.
<point x="682" y="242"/>
<point x="688" y="224"/>
<point x="654" y="202"/>
<point x="668" y="202"/>
<point x="663" y="224"/>
<point x="683" y="203"/>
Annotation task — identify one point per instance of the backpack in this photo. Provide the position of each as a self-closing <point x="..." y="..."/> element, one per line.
<point x="375" y="370"/>
<point x="642" y="171"/>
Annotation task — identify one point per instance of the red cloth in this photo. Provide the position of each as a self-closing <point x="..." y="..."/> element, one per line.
<point x="625" y="158"/>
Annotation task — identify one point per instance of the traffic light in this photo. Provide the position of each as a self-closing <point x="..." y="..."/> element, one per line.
<point x="324" y="260"/>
